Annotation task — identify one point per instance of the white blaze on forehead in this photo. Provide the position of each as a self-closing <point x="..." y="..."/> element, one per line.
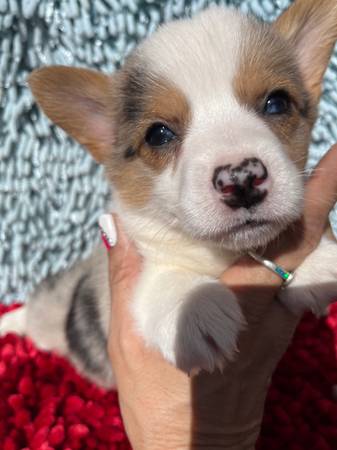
<point x="199" y="55"/>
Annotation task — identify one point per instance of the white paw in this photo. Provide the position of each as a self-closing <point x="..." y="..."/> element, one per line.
<point x="208" y="327"/>
<point x="13" y="322"/>
<point x="314" y="287"/>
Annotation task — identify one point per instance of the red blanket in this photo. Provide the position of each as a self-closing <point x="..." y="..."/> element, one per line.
<point x="45" y="405"/>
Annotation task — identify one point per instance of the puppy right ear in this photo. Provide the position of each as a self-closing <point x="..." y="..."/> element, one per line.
<point x="79" y="101"/>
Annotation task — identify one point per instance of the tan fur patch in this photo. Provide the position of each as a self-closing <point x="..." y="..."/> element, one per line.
<point x="168" y="105"/>
<point x="110" y="116"/>
<point x="267" y="65"/>
<point x="134" y="183"/>
<point x="153" y="100"/>
<point x="310" y="27"/>
<point x="79" y="101"/>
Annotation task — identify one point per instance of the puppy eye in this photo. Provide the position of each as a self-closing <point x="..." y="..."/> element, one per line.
<point x="159" y="134"/>
<point x="278" y="102"/>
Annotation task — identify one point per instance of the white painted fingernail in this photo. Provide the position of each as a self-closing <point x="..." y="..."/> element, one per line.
<point x="108" y="229"/>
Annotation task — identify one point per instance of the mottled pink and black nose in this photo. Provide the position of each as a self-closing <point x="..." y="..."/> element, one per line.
<point x="242" y="186"/>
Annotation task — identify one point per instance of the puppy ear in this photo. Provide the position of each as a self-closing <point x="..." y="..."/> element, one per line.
<point x="311" y="27"/>
<point x="80" y="102"/>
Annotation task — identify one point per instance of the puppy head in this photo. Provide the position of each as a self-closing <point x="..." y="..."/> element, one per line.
<point x="208" y="124"/>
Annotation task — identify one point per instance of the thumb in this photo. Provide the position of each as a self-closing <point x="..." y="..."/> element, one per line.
<point x="124" y="261"/>
<point x="321" y="190"/>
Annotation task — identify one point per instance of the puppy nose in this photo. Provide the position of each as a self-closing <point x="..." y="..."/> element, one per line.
<point x="241" y="186"/>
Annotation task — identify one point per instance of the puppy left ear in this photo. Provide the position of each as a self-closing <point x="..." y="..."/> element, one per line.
<point x="81" y="102"/>
<point x="310" y="26"/>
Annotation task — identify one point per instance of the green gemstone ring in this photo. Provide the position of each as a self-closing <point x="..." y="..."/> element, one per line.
<point x="286" y="276"/>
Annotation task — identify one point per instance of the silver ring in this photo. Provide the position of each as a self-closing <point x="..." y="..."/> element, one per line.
<point x="286" y="276"/>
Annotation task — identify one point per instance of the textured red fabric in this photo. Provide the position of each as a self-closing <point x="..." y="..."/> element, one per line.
<point x="45" y="405"/>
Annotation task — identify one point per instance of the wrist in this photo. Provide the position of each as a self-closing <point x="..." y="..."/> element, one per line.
<point x="162" y="441"/>
<point x="156" y="431"/>
<point x="198" y="441"/>
<point x="236" y="439"/>
<point x="224" y="435"/>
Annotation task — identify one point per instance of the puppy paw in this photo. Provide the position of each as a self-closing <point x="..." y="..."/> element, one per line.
<point x="299" y="300"/>
<point x="208" y="328"/>
<point x="314" y="287"/>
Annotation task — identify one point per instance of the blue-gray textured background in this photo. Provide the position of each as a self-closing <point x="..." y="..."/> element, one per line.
<point x="51" y="191"/>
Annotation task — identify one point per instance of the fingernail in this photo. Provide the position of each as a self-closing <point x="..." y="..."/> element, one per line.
<point x="108" y="230"/>
<point x="194" y="372"/>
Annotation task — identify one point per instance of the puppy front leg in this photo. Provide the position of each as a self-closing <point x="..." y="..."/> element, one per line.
<point x="315" y="284"/>
<point x="193" y="320"/>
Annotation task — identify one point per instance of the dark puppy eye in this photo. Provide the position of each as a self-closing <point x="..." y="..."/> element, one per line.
<point x="159" y="134"/>
<point x="278" y="102"/>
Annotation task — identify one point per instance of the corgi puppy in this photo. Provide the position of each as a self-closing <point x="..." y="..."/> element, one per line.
<point x="204" y="135"/>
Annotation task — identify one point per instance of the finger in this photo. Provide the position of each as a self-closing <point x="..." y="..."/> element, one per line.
<point x="321" y="189"/>
<point x="320" y="197"/>
<point x="124" y="260"/>
<point x="125" y="266"/>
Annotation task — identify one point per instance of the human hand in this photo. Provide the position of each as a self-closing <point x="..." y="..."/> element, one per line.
<point x="163" y="407"/>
